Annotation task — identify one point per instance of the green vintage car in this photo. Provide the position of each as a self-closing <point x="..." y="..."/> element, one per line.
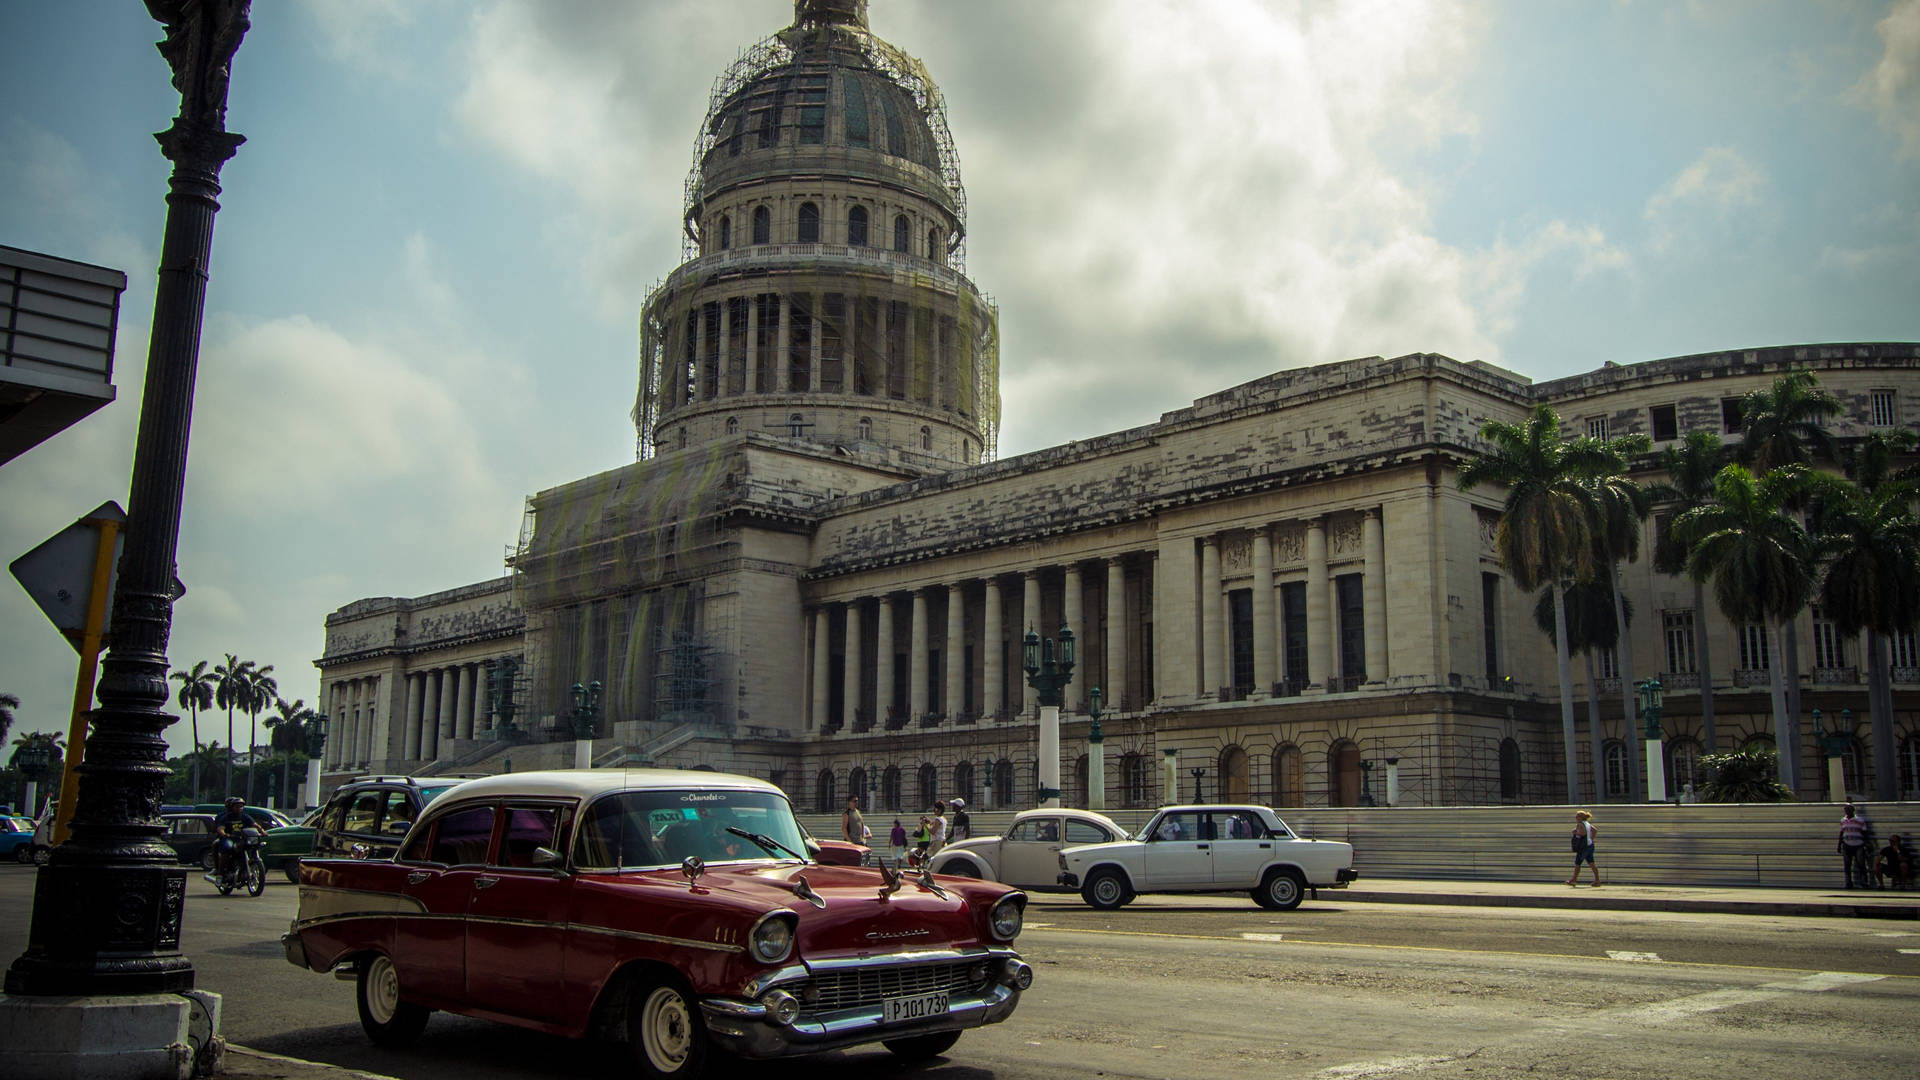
<point x="287" y="845"/>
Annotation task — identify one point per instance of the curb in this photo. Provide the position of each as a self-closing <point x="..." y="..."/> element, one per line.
<point x="1636" y="903"/>
<point x="244" y="1063"/>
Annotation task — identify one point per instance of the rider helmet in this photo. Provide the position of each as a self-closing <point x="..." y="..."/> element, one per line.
<point x="235" y="800"/>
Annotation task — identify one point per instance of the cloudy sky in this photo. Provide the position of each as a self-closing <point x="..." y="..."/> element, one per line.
<point x="436" y="241"/>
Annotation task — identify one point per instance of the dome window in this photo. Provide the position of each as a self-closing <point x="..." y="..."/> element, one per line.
<point x="813" y="109"/>
<point x="797" y="426"/>
<point x="933" y="244"/>
<point x="926" y="438"/>
<point x="809" y="224"/>
<point x="896" y="132"/>
<point x="900" y="233"/>
<point x="857" y="226"/>
<point x="866" y="429"/>
<point x="726" y="232"/>
<point x="857" y="132"/>
<point x="733" y="425"/>
<point x="762" y="225"/>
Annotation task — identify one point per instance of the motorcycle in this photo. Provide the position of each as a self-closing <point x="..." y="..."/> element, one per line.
<point x="246" y="867"/>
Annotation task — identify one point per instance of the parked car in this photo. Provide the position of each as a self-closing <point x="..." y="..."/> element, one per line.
<point x="834" y="852"/>
<point x="16" y="839"/>
<point x="191" y="836"/>
<point x="1208" y="849"/>
<point x="1027" y="856"/>
<point x="366" y="817"/>
<point x="288" y="844"/>
<point x="673" y="909"/>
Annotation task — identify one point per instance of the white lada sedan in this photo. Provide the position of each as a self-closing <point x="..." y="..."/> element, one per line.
<point x="1026" y="855"/>
<point x="1208" y="849"/>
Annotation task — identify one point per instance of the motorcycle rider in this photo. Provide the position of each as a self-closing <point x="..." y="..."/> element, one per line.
<point x="229" y="829"/>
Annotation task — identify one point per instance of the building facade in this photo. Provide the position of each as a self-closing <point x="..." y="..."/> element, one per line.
<point x="817" y="572"/>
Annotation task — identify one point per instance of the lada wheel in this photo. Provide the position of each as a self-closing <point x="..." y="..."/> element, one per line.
<point x="959" y="869"/>
<point x="23" y="854"/>
<point x="1281" y="890"/>
<point x="206" y="859"/>
<point x="669" y="1039"/>
<point x="1106" y="890"/>
<point x="388" y="1020"/>
<point x="922" y="1047"/>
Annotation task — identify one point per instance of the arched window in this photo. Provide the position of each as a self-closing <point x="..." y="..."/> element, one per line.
<point x="823" y="788"/>
<point x="797" y="426"/>
<point x="933" y="245"/>
<point x="726" y="232"/>
<point x="866" y="429"/>
<point x="1683" y="767"/>
<point x="900" y="233"/>
<point x="963" y="780"/>
<point x="857" y="787"/>
<point x="926" y="438"/>
<point x="762" y="225"/>
<point x="1343" y="774"/>
<point x="809" y="224"/>
<point x="1136" y="783"/>
<point x="966" y="449"/>
<point x="890" y="788"/>
<point x="1509" y="770"/>
<point x="683" y="438"/>
<point x="1003" y="784"/>
<point x="1614" y="752"/>
<point x="733" y="425"/>
<point x="1850" y="772"/>
<point x="1286" y="776"/>
<point x="929" y="785"/>
<point x="857" y="226"/>
<point x="1235" y="783"/>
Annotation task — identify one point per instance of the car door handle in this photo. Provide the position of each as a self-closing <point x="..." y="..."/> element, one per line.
<point x="1266" y="847"/>
<point x="484" y="882"/>
<point x="417" y="877"/>
<point x="1200" y="847"/>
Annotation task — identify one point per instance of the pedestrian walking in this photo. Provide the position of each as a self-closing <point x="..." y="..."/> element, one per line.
<point x="921" y="838"/>
<point x="1583" y="835"/>
<point x="898" y="838"/>
<point x="937" y="829"/>
<point x="853" y="827"/>
<point x="1853" y="848"/>
<point x="962" y="824"/>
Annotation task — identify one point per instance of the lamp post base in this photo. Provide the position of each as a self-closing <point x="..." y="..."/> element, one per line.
<point x="124" y="1037"/>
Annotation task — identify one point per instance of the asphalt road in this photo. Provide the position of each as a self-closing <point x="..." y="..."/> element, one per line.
<point x="1214" y="987"/>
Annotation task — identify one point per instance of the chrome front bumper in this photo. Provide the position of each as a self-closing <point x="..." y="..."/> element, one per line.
<point x="748" y="1029"/>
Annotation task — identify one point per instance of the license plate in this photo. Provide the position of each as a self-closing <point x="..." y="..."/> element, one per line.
<point x="903" y="1009"/>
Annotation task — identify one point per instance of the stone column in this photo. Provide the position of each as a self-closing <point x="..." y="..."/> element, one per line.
<point x="699" y="352"/>
<point x="449" y="704"/>
<point x="956" y="652"/>
<point x="814" y="348"/>
<point x="1073" y="606"/>
<point x="1030" y="614"/>
<point x="883" y="662"/>
<point x="850" y="671"/>
<point x="1115" y="689"/>
<point x="354" y="691"/>
<point x="430" y="722"/>
<point x="781" y="343"/>
<point x="917" y="659"/>
<point x="330" y="754"/>
<point x="463" y="705"/>
<point x="1319" y="613"/>
<point x="753" y="345"/>
<point x="369" y="718"/>
<point x="993" y="637"/>
<point x="410" y="735"/>
<point x="1264" y="654"/>
<point x="720" y="360"/>
<point x="822" y="668"/>
<point x="1373" y="590"/>
<point x="1212" y="629"/>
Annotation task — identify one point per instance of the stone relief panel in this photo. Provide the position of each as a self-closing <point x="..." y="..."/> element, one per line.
<point x="1343" y="538"/>
<point x="1290" y="545"/>
<point x="498" y="616"/>
<point x="1236" y="553"/>
<point x="1489" y="531"/>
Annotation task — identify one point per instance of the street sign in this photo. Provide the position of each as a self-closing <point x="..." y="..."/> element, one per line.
<point x="59" y="573"/>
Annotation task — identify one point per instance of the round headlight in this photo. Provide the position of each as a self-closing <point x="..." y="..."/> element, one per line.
<point x="772" y="939"/>
<point x="1007" y="916"/>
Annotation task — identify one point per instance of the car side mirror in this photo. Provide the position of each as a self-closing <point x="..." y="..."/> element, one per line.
<point x="813" y="849"/>
<point x="547" y="859"/>
<point x="398" y="828"/>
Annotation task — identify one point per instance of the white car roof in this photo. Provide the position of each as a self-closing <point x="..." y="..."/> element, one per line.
<point x="587" y="783"/>
<point x="1068" y="811"/>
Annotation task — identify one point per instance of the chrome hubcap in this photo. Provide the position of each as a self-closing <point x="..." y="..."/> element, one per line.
<point x="1107" y="889"/>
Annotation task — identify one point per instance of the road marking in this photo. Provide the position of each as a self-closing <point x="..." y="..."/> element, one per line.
<point x="1714" y="1000"/>
<point x="1388" y="1066"/>
<point x="1282" y="937"/>
<point x="1634" y="957"/>
<point x="1039" y="925"/>
<point x="1910" y="952"/>
<point x="1893" y="933"/>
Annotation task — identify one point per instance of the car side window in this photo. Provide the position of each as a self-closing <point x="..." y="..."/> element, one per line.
<point x="417" y="847"/>
<point x="528" y="828"/>
<point x="1026" y="832"/>
<point x="399" y="814"/>
<point x="1179" y="826"/>
<point x="363" y="813"/>
<point x="463" y="837"/>
<point x="1239" y="826"/>
<point x="1085" y="832"/>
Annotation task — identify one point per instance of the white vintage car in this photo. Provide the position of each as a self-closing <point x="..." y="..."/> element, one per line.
<point x="1026" y="857"/>
<point x="1208" y="849"/>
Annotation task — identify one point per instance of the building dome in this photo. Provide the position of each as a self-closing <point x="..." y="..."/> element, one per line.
<point x="822" y="297"/>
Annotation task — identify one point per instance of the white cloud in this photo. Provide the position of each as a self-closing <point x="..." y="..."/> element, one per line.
<point x="361" y="31"/>
<point x="1892" y="88"/>
<point x="1715" y="188"/>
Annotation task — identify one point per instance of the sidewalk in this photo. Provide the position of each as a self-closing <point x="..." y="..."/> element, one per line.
<point x="1849" y="903"/>
<point x="245" y="1064"/>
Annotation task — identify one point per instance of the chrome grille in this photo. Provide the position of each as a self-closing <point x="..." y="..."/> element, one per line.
<point x="856" y="988"/>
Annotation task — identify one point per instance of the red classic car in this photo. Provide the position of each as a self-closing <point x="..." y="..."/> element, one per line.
<point x="674" y="910"/>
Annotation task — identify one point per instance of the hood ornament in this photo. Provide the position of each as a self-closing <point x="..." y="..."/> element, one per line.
<point x="926" y="882"/>
<point x="802" y="889"/>
<point x="891" y="880"/>
<point x="693" y="866"/>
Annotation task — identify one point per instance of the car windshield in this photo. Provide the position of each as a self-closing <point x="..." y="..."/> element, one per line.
<point x="428" y="794"/>
<point x="663" y="828"/>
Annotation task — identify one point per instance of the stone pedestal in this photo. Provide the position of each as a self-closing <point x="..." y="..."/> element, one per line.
<point x="131" y="1037"/>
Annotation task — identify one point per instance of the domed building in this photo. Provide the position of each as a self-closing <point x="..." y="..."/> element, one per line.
<point x="818" y="570"/>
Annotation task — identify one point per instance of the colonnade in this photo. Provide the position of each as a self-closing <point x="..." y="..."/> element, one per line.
<point x="353" y="711"/>
<point x="441" y="703"/>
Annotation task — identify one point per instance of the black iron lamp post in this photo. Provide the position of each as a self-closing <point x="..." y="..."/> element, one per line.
<point x="1366" y="782"/>
<point x="1198" y="774"/>
<point x="107" y="908"/>
<point x="1048" y="671"/>
<point x="586" y="717"/>
<point x="1651" y="696"/>
<point x="1096" y="752"/>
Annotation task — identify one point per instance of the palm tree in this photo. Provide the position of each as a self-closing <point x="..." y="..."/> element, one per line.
<point x="286" y="733"/>
<point x="1762" y="562"/>
<point x="1873" y="582"/>
<point x="230" y="691"/>
<point x="261" y="690"/>
<point x="196" y="693"/>
<point x="1545" y="537"/>
<point x="8" y="703"/>
<point x="1623" y="507"/>
<point x="1691" y="467"/>
<point x="1591" y="625"/>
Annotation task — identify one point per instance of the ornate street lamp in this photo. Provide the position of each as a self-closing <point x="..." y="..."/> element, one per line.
<point x="1650" y="698"/>
<point x="586" y="717"/>
<point x="1096" y="752"/>
<point x="316" y="731"/>
<point x="1048" y="671"/>
<point x="1366" y="783"/>
<point x="1197" y="774"/>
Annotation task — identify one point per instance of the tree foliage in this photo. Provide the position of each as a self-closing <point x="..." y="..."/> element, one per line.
<point x="1743" y="776"/>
